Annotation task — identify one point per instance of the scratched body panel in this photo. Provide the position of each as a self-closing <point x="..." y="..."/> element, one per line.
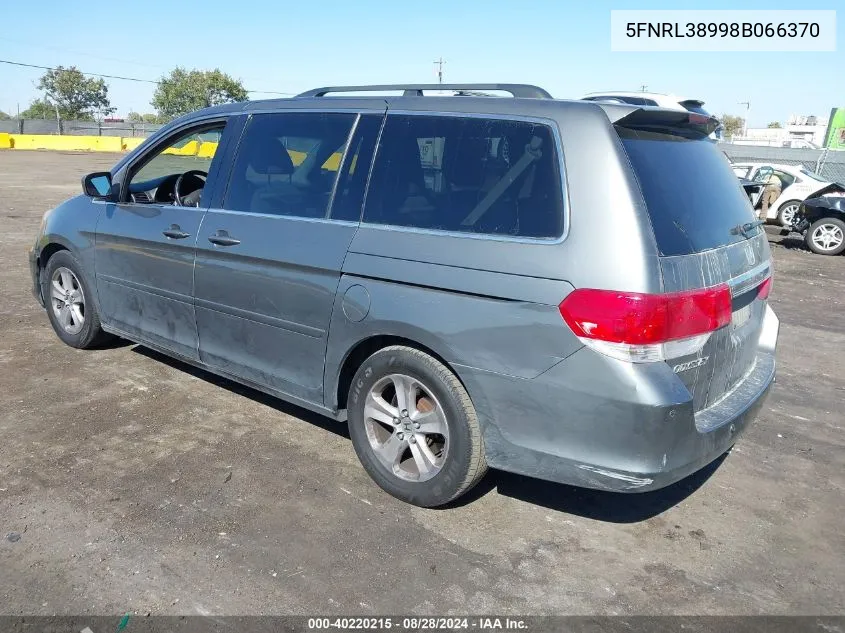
<point x="145" y="279"/>
<point x="730" y="353"/>
<point x="263" y="306"/>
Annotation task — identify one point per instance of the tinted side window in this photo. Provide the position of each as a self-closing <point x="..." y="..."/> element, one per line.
<point x="349" y="194"/>
<point x="466" y="174"/>
<point x="287" y="163"/>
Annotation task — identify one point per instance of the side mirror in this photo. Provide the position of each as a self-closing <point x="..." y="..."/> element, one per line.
<point x="97" y="185"/>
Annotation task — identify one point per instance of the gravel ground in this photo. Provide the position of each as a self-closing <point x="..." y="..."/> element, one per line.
<point x="133" y="483"/>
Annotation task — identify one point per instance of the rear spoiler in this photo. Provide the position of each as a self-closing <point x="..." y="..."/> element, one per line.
<point x="687" y="124"/>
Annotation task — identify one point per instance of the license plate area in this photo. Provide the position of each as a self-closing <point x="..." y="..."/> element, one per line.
<point x="742" y="307"/>
<point x="740" y="317"/>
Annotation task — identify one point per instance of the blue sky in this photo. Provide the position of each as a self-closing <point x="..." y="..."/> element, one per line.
<point x="292" y="46"/>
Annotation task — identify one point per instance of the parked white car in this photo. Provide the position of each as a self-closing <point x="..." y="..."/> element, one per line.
<point x="670" y="102"/>
<point x="797" y="184"/>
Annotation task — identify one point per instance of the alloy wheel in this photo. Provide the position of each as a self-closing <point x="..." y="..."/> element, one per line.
<point x="67" y="300"/>
<point x="827" y="237"/>
<point x="406" y="427"/>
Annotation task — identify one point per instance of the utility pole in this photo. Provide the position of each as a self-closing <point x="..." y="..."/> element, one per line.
<point x="439" y="63"/>
<point x="56" y="106"/>
<point x="747" y="105"/>
<point x="643" y="88"/>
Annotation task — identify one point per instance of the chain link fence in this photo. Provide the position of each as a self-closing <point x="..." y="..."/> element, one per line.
<point x="77" y="128"/>
<point x="829" y="164"/>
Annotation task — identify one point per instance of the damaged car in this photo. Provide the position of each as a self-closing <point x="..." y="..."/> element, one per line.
<point x="797" y="184"/>
<point x="821" y="220"/>
<point x="574" y="291"/>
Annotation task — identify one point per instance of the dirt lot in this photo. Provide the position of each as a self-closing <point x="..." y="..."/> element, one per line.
<point x="138" y="484"/>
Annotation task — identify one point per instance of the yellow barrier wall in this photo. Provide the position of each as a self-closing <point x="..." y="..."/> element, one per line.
<point x="67" y="143"/>
<point x="125" y="144"/>
<point x="207" y="149"/>
<point x="131" y="142"/>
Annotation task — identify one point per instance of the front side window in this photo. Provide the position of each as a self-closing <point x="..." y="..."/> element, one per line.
<point x="176" y="173"/>
<point x="467" y="174"/>
<point x="288" y="162"/>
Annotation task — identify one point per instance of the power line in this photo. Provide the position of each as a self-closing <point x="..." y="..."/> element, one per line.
<point x="147" y="81"/>
<point x="69" y="51"/>
<point x="136" y="79"/>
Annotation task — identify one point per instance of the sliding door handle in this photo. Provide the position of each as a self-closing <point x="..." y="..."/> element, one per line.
<point x="222" y="238"/>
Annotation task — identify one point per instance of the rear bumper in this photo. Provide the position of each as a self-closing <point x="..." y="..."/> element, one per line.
<point x="595" y="422"/>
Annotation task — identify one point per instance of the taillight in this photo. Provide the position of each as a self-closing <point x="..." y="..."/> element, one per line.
<point x="641" y="327"/>
<point x="764" y="289"/>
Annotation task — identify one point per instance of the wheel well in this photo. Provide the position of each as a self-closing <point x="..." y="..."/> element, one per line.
<point x="366" y="348"/>
<point x="47" y="252"/>
<point x="788" y="202"/>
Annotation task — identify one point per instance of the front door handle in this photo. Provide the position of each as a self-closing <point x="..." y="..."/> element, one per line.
<point x="222" y="238"/>
<point x="175" y="232"/>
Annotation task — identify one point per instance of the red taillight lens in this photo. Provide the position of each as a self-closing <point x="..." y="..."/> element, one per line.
<point x="764" y="289"/>
<point x="645" y="319"/>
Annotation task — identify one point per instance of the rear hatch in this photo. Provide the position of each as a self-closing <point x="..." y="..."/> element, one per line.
<point x="706" y="236"/>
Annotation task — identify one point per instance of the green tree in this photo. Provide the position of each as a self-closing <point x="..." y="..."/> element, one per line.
<point x="4" y="116"/>
<point x="184" y="91"/>
<point x="775" y="125"/>
<point x="733" y="125"/>
<point x="77" y="96"/>
<point x="137" y="117"/>
<point x="39" y="109"/>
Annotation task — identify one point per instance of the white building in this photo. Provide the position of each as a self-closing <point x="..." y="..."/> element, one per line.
<point x="800" y="131"/>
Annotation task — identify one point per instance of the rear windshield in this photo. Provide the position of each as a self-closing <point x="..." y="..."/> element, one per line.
<point x="693" y="197"/>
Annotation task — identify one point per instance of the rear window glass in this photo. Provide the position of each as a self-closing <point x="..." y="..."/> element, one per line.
<point x="693" y="197"/>
<point x="466" y="174"/>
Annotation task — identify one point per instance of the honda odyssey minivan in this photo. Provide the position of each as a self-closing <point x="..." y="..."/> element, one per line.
<point x="576" y="291"/>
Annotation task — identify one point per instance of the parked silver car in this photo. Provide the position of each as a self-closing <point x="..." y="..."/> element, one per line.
<point x="571" y="290"/>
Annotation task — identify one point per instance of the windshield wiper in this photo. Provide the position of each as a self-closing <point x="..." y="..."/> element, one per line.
<point x="745" y="229"/>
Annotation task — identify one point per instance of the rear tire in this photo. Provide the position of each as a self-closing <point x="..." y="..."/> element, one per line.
<point x="826" y="236"/>
<point x="70" y="304"/>
<point x="787" y="211"/>
<point x="414" y="427"/>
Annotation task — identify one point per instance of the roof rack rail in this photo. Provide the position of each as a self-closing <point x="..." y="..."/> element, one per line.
<point x="526" y="91"/>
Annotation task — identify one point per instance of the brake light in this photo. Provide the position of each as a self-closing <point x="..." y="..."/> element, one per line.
<point x="764" y="289"/>
<point x="646" y="327"/>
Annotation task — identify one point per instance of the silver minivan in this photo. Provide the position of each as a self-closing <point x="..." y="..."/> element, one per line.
<point x="571" y="290"/>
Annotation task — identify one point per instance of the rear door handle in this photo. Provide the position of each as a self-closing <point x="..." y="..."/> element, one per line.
<point x="175" y="232"/>
<point x="222" y="238"/>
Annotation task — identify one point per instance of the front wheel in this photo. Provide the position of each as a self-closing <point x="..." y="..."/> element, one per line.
<point x="70" y="307"/>
<point x="414" y="427"/>
<point x="826" y="236"/>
